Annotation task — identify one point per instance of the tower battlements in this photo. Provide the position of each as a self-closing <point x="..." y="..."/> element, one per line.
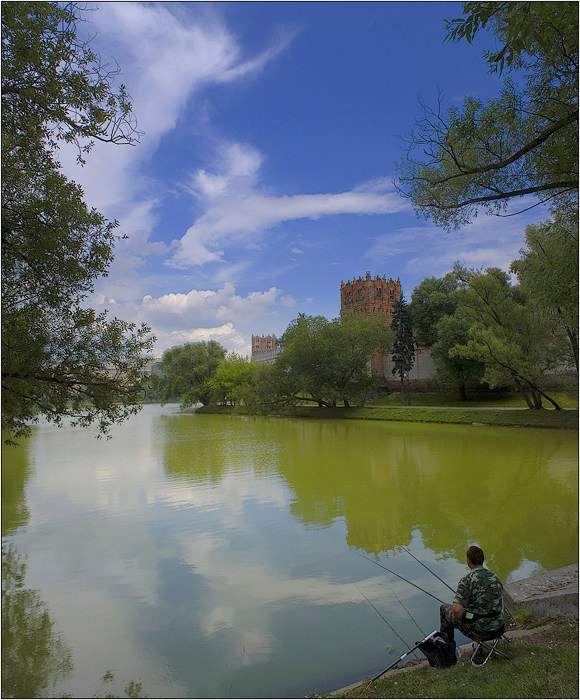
<point x="370" y="295"/>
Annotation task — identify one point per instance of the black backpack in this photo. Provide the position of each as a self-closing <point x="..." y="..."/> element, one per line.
<point x="439" y="650"/>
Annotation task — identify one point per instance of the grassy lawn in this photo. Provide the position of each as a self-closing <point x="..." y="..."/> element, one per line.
<point x="544" y="665"/>
<point x="463" y="416"/>
<point x="474" y="400"/>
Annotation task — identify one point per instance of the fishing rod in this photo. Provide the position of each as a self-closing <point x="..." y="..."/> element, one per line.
<point x="417" y="645"/>
<point x="428" y="569"/>
<point x="403" y="578"/>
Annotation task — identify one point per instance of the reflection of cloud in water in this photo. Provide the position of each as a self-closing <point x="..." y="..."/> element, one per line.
<point x="220" y="618"/>
<point x="229" y="493"/>
<point x="255" y="592"/>
<point x="526" y="569"/>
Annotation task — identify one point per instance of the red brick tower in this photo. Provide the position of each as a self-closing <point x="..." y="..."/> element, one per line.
<point x="369" y="295"/>
<point x="262" y="343"/>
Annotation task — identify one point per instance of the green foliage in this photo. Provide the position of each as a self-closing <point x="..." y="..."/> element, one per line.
<point x="524" y="616"/>
<point x="509" y="334"/>
<point x="432" y="299"/>
<point x="54" y="87"/>
<point x="302" y="358"/>
<point x="438" y="325"/>
<point x="523" y="142"/>
<point x="455" y="370"/>
<point x="548" y="272"/>
<point x="274" y="386"/>
<point x="187" y="371"/>
<point x="233" y="380"/>
<point x="58" y="358"/>
<point x="524" y="30"/>
<point x="327" y="361"/>
<point x="493" y="322"/>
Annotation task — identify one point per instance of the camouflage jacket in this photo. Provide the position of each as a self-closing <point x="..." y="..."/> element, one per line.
<point x="480" y="592"/>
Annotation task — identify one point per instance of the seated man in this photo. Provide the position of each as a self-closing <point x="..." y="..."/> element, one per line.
<point x="477" y="607"/>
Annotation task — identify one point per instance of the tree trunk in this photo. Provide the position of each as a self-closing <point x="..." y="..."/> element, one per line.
<point x="526" y="395"/>
<point x="535" y="402"/>
<point x="554" y="404"/>
<point x="537" y="399"/>
<point x="462" y="393"/>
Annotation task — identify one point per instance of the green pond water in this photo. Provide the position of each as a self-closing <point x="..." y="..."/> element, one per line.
<point x="222" y="556"/>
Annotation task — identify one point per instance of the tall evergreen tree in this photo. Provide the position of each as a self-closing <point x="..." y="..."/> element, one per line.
<point x="404" y="348"/>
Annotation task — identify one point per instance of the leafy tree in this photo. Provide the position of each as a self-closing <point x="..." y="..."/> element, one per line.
<point x="187" y="371"/>
<point x="350" y="342"/>
<point x="509" y="334"/>
<point x="455" y="370"/>
<point x="301" y="358"/>
<point x="233" y="380"/>
<point x="548" y="272"/>
<point x="328" y="361"/>
<point x="58" y="358"/>
<point x="403" y="355"/>
<point x="431" y="300"/>
<point x="523" y="142"/>
<point x="439" y="326"/>
<point x="273" y="385"/>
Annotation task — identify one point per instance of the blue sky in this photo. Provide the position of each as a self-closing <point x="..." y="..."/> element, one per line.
<point x="264" y="173"/>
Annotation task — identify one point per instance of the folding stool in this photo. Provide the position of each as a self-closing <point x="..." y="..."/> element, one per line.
<point x="490" y="646"/>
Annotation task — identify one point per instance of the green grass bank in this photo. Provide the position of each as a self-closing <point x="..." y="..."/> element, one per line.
<point x="542" y="665"/>
<point x="524" y="418"/>
<point x="480" y="398"/>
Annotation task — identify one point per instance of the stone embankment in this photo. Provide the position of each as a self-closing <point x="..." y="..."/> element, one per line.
<point x="552" y="594"/>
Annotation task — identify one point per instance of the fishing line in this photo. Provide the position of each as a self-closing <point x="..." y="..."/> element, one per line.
<point x="403" y="578"/>
<point x="428" y="569"/>
<point x="383" y="618"/>
<point x="405" y="609"/>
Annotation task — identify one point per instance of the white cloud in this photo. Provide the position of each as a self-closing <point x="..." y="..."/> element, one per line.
<point x="166" y="56"/>
<point x="288" y="301"/>
<point x="239" y="165"/>
<point x="238" y="213"/>
<point x="226" y="335"/>
<point x="197" y="307"/>
<point x="489" y="241"/>
<point x="200" y="314"/>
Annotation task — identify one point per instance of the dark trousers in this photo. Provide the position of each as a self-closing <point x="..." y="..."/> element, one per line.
<point x="449" y="623"/>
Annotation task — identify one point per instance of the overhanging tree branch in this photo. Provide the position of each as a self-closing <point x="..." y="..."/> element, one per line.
<point x="524" y="142"/>
<point x="562" y="187"/>
<point x="530" y="146"/>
